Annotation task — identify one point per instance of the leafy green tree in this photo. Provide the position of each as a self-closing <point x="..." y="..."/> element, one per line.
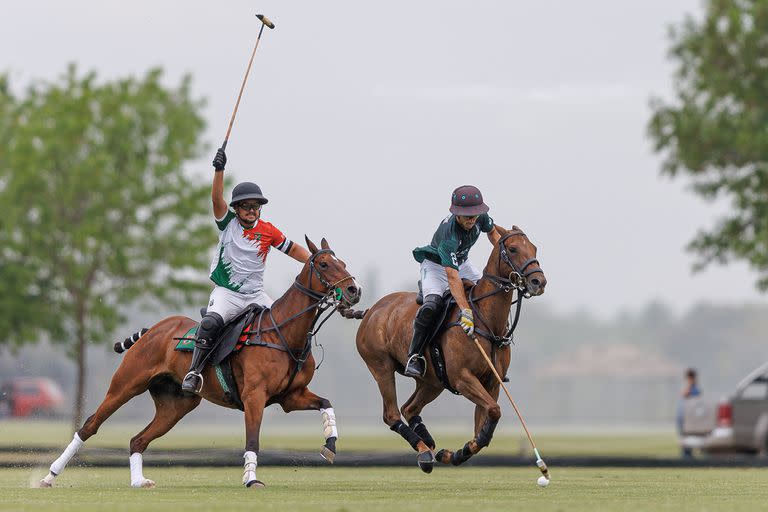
<point x="97" y="211"/>
<point x="716" y="129"/>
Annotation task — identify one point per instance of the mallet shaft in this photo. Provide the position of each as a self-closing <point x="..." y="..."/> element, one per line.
<point x="242" y="87"/>
<point x="539" y="462"/>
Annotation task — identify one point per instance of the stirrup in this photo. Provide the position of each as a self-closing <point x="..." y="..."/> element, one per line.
<point x="424" y="364"/>
<point x="199" y="386"/>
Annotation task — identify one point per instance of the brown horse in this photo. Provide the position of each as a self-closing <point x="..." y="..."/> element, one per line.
<point x="278" y="371"/>
<point x="387" y="328"/>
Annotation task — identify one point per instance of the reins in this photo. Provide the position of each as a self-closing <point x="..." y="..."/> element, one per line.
<point x="517" y="281"/>
<point x="320" y="301"/>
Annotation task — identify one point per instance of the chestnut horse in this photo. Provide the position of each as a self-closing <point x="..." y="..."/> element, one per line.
<point x="387" y="328"/>
<point x="264" y="374"/>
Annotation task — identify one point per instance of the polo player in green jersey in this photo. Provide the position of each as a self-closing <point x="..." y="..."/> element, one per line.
<point x="444" y="264"/>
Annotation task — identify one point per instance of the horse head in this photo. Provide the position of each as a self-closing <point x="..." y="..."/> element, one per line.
<point x="327" y="274"/>
<point x="515" y="260"/>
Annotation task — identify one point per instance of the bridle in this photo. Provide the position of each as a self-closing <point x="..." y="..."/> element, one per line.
<point x="333" y="289"/>
<point x="518" y="277"/>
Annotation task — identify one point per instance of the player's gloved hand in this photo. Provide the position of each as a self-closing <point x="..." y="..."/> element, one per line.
<point x="220" y="160"/>
<point x="467" y="321"/>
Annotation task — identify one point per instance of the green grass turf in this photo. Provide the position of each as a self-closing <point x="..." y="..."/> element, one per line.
<point x="401" y="489"/>
<point x="636" y="444"/>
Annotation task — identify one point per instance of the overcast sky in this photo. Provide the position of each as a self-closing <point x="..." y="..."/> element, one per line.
<point x="360" y="118"/>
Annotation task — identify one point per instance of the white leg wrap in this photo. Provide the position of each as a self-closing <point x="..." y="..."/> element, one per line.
<point x="59" y="464"/>
<point x="137" y="469"/>
<point x="329" y="423"/>
<point x="249" y="471"/>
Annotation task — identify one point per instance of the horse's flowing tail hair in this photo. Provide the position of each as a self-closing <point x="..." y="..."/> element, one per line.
<point x="353" y="314"/>
<point x="122" y="346"/>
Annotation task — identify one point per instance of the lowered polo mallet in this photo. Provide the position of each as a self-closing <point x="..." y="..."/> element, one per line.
<point x="543" y="480"/>
<point x="264" y="22"/>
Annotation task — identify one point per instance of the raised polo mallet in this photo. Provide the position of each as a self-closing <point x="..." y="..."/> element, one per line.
<point x="543" y="480"/>
<point x="264" y="22"/>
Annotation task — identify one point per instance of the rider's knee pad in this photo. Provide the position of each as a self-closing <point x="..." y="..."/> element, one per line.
<point x="431" y="307"/>
<point x="209" y="328"/>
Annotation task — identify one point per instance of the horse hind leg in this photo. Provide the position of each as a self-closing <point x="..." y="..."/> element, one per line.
<point x="412" y="408"/>
<point x="171" y="404"/>
<point x="305" y="400"/>
<point x="385" y="378"/>
<point x="121" y="390"/>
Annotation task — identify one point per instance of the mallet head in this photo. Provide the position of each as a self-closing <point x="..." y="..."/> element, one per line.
<point x="265" y="20"/>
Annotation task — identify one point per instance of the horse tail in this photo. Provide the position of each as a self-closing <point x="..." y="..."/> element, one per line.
<point x="122" y="346"/>
<point x="353" y="314"/>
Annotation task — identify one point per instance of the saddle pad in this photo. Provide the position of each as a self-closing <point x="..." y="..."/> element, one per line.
<point x="188" y="344"/>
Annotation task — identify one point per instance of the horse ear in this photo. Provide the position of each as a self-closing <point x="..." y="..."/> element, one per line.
<point x="324" y="244"/>
<point x="515" y="228"/>
<point x="500" y="230"/>
<point x="312" y="247"/>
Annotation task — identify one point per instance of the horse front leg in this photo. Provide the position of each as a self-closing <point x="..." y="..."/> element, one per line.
<point x="487" y="407"/>
<point x="305" y="400"/>
<point x="254" y="412"/>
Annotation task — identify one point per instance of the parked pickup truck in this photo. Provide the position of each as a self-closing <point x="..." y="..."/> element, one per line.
<point x="737" y="424"/>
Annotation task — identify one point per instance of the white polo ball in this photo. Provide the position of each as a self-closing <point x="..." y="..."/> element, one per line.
<point x="543" y="481"/>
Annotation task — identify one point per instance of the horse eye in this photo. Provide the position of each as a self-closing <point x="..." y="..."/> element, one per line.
<point x="323" y="264"/>
<point x="512" y="249"/>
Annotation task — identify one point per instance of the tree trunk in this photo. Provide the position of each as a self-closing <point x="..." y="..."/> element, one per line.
<point x="80" y="355"/>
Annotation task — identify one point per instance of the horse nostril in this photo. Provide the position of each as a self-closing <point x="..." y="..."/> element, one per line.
<point x="535" y="282"/>
<point x="352" y="290"/>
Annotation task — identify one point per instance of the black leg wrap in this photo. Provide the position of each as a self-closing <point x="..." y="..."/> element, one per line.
<point x="421" y="430"/>
<point x="485" y="435"/>
<point x="407" y="434"/>
<point x="330" y="443"/>
<point x="461" y="456"/>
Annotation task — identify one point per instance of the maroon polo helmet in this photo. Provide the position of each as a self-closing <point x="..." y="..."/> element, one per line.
<point x="467" y="201"/>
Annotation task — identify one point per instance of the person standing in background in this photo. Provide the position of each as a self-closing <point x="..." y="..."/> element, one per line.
<point x="690" y="390"/>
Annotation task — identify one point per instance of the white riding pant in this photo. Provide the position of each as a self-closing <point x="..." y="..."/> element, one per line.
<point x="228" y="304"/>
<point x="434" y="279"/>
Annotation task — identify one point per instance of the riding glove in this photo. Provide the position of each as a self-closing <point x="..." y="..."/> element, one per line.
<point x="220" y="160"/>
<point x="467" y="321"/>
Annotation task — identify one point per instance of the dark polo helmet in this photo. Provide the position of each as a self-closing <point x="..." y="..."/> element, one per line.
<point x="467" y="201"/>
<point x="247" y="190"/>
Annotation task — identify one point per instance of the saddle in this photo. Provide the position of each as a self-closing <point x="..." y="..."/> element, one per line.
<point x="230" y="340"/>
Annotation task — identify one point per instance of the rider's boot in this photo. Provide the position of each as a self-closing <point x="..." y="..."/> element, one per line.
<point x="207" y="332"/>
<point x="416" y="365"/>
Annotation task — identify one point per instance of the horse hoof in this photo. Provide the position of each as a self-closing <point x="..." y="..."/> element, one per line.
<point x="45" y="485"/>
<point x="426" y="461"/>
<point x="255" y="484"/>
<point x="444" y="456"/>
<point x="144" y="484"/>
<point x="328" y="454"/>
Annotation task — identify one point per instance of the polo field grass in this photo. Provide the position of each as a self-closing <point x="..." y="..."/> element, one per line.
<point x="27" y="435"/>
<point x="386" y="489"/>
